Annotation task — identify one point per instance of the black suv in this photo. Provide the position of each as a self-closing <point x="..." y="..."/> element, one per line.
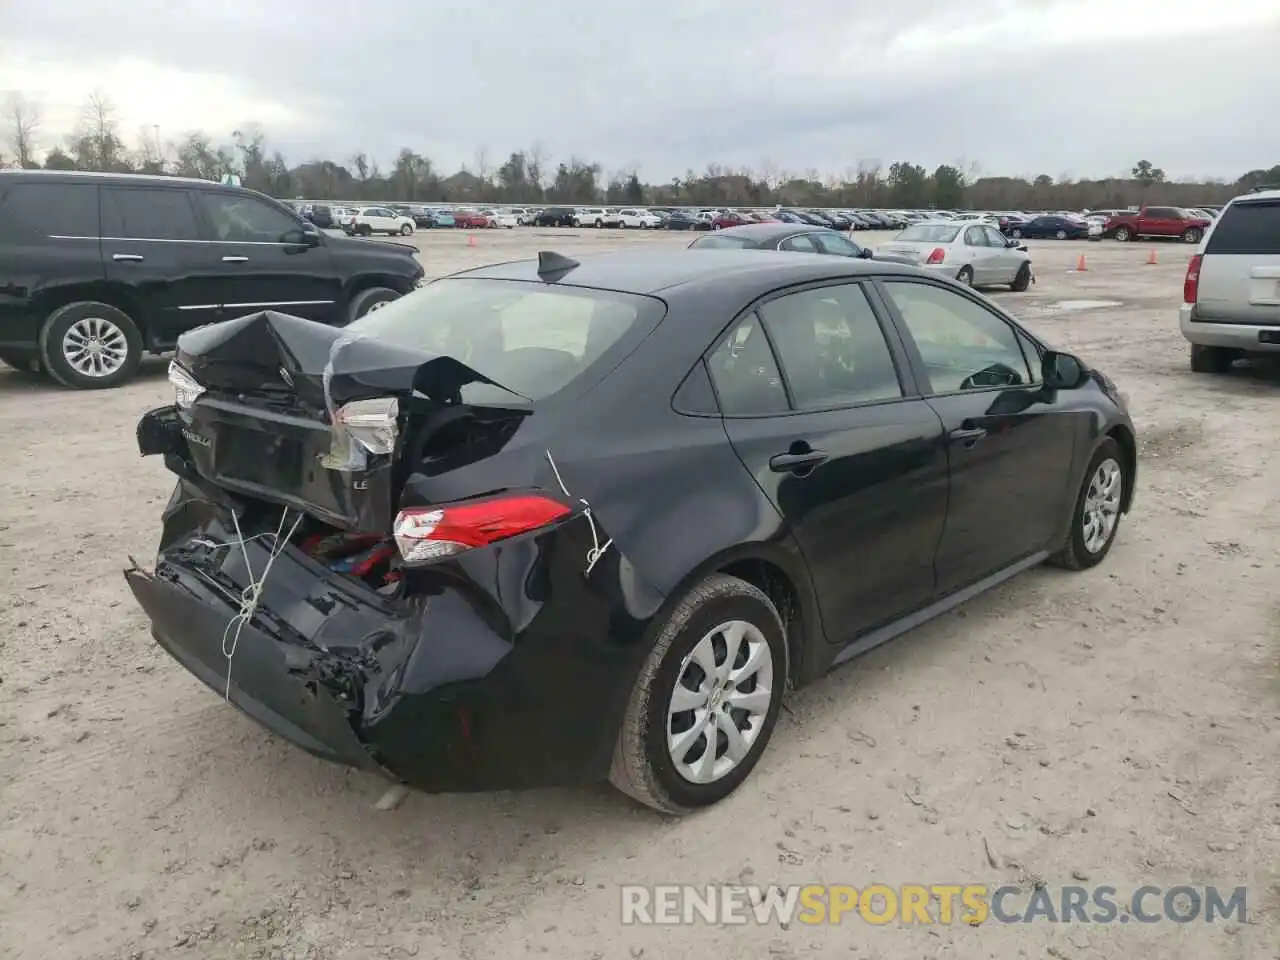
<point x="555" y="217"/>
<point x="96" y="269"/>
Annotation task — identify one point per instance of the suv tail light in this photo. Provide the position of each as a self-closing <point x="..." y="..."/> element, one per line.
<point x="937" y="256"/>
<point x="428" y="533"/>
<point x="1191" y="283"/>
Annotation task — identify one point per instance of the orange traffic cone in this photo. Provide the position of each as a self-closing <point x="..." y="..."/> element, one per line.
<point x="471" y="239"/>
<point x="1081" y="264"/>
<point x="1151" y="258"/>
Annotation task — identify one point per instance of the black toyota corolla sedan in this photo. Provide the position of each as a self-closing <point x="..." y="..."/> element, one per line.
<point x="552" y="522"/>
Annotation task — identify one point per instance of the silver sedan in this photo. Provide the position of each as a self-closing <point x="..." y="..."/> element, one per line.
<point x="976" y="254"/>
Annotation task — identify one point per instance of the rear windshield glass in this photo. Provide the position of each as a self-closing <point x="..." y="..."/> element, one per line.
<point x="721" y="243"/>
<point x="531" y="338"/>
<point x="1247" y="228"/>
<point x="930" y="233"/>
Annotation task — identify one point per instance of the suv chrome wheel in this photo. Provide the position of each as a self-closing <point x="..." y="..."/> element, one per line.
<point x="95" y="347"/>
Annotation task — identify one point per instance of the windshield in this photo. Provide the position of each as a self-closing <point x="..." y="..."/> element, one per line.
<point x="530" y="338"/>
<point x="930" y="233"/>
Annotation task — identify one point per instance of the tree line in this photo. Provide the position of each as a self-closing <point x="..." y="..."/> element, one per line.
<point x="530" y="176"/>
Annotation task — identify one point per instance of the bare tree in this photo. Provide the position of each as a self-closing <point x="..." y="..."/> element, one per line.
<point x="22" y="120"/>
<point x="96" y="144"/>
<point x="538" y="160"/>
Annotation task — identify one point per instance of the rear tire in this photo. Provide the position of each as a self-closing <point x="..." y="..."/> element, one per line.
<point x="643" y="762"/>
<point x="368" y="300"/>
<point x="1023" y="279"/>
<point x="1017" y="233"/>
<point x="84" y="324"/>
<point x="1061" y="234"/>
<point x="1085" y="546"/>
<point x="1191" y="235"/>
<point x="1211" y="359"/>
<point x="965" y="276"/>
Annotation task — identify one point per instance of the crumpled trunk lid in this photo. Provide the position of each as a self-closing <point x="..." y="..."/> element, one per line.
<point x="273" y="386"/>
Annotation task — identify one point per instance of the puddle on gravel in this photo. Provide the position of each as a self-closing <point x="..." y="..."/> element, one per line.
<point x="1084" y="304"/>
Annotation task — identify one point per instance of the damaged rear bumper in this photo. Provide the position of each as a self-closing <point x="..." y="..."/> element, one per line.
<point x="474" y="678"/>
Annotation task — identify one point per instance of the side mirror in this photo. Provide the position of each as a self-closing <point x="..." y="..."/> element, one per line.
<point x="302" y="237"/>
<point x="1012" y="242"/>
<point x="866" y="253"/>
<point x="1062" y="371"/>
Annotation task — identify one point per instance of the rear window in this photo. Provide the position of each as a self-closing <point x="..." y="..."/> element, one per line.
<point x="1250" y="227"/>
<point x="720" y="242"/>
<point x="51" y="209"/>
<point x="530" y="338"/>
<point x="930" y="233"/>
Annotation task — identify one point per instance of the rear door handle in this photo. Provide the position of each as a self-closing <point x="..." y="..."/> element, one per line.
<point x="790" y="462"/>
<point x="127" y="257"/>
<point x="235" y="259"/>
<point x="967" y="435"/>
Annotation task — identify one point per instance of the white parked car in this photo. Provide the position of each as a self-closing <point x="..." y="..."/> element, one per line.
<point x="589" y="217"/>
<point x="637" y="218"/>
<point x="343" y="216"/>
<point x="370" y="220"/>
<point x="523" y="215"/>
<point x="502" y="218"/>
<point x="974" y="253"/>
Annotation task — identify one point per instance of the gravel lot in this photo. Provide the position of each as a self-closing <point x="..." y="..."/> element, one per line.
<point x="1120" y="725"/>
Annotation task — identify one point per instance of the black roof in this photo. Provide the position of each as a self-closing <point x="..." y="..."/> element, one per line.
<point x="770" y="234"/>
<point x="649" y="272"/>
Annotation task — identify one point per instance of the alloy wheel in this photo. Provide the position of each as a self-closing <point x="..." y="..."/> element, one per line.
<point x="95" y="347"/>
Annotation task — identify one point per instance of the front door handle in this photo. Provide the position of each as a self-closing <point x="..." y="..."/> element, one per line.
<point x="792" y="462"/>
<point x="127" y="257"/>
<point x="235" y="259"/>
<point x="967" y="435"/>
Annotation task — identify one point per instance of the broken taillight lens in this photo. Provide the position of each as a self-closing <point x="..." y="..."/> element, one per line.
<point x="428" y="533"/>
<point x="186" y="388"/>
<point x="360" y="428"/>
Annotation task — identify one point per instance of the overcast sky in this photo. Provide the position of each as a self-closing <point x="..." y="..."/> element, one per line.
<point x="1079" y="87"/>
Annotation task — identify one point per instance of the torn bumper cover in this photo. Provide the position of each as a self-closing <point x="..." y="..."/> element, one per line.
<point x="443" y="688"/>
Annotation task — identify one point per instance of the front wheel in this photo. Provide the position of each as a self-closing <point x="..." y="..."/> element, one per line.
<point x="1191" y="235"/>
<point x="1022" y="280"/>
<point x="706" y="701"/>
<point x="405" y="230"/>
<point x="1017" y="234"/>
<point x="1061" y="234"/>
<point x="1096" y="517"/>
<point x="1123" y="234"/>
<point x="369" y="300"/>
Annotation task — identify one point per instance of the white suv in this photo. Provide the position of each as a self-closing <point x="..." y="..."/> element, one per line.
<point x="635" y="218"/>
<point x="589" y="217"/>
<point x="370" y="220"/>
<point x="1231" y="294"/>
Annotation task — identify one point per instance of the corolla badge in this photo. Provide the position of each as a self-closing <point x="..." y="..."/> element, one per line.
<point x="286" y="377"/>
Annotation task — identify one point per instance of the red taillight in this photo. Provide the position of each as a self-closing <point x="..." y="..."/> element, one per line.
<point x="428" y="533"/>
<point x="1191" y="283"/>
<point x="937" y="256"/>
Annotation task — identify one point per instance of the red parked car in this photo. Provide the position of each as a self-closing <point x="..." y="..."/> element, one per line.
<point x="731" y="218"/>
<point x="470" y="219"/>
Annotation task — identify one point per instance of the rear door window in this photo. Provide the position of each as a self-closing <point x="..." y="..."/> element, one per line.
<point x="51" y="209"/>
<point x="132" y="213"/>
<point x="801" y="244"/>
<point x="745" y="373"/>
<point x="1247" y="228"/>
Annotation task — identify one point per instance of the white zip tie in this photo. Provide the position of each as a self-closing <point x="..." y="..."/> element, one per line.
<point x="597" y="549"/>
<point x="251" y="594"/>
